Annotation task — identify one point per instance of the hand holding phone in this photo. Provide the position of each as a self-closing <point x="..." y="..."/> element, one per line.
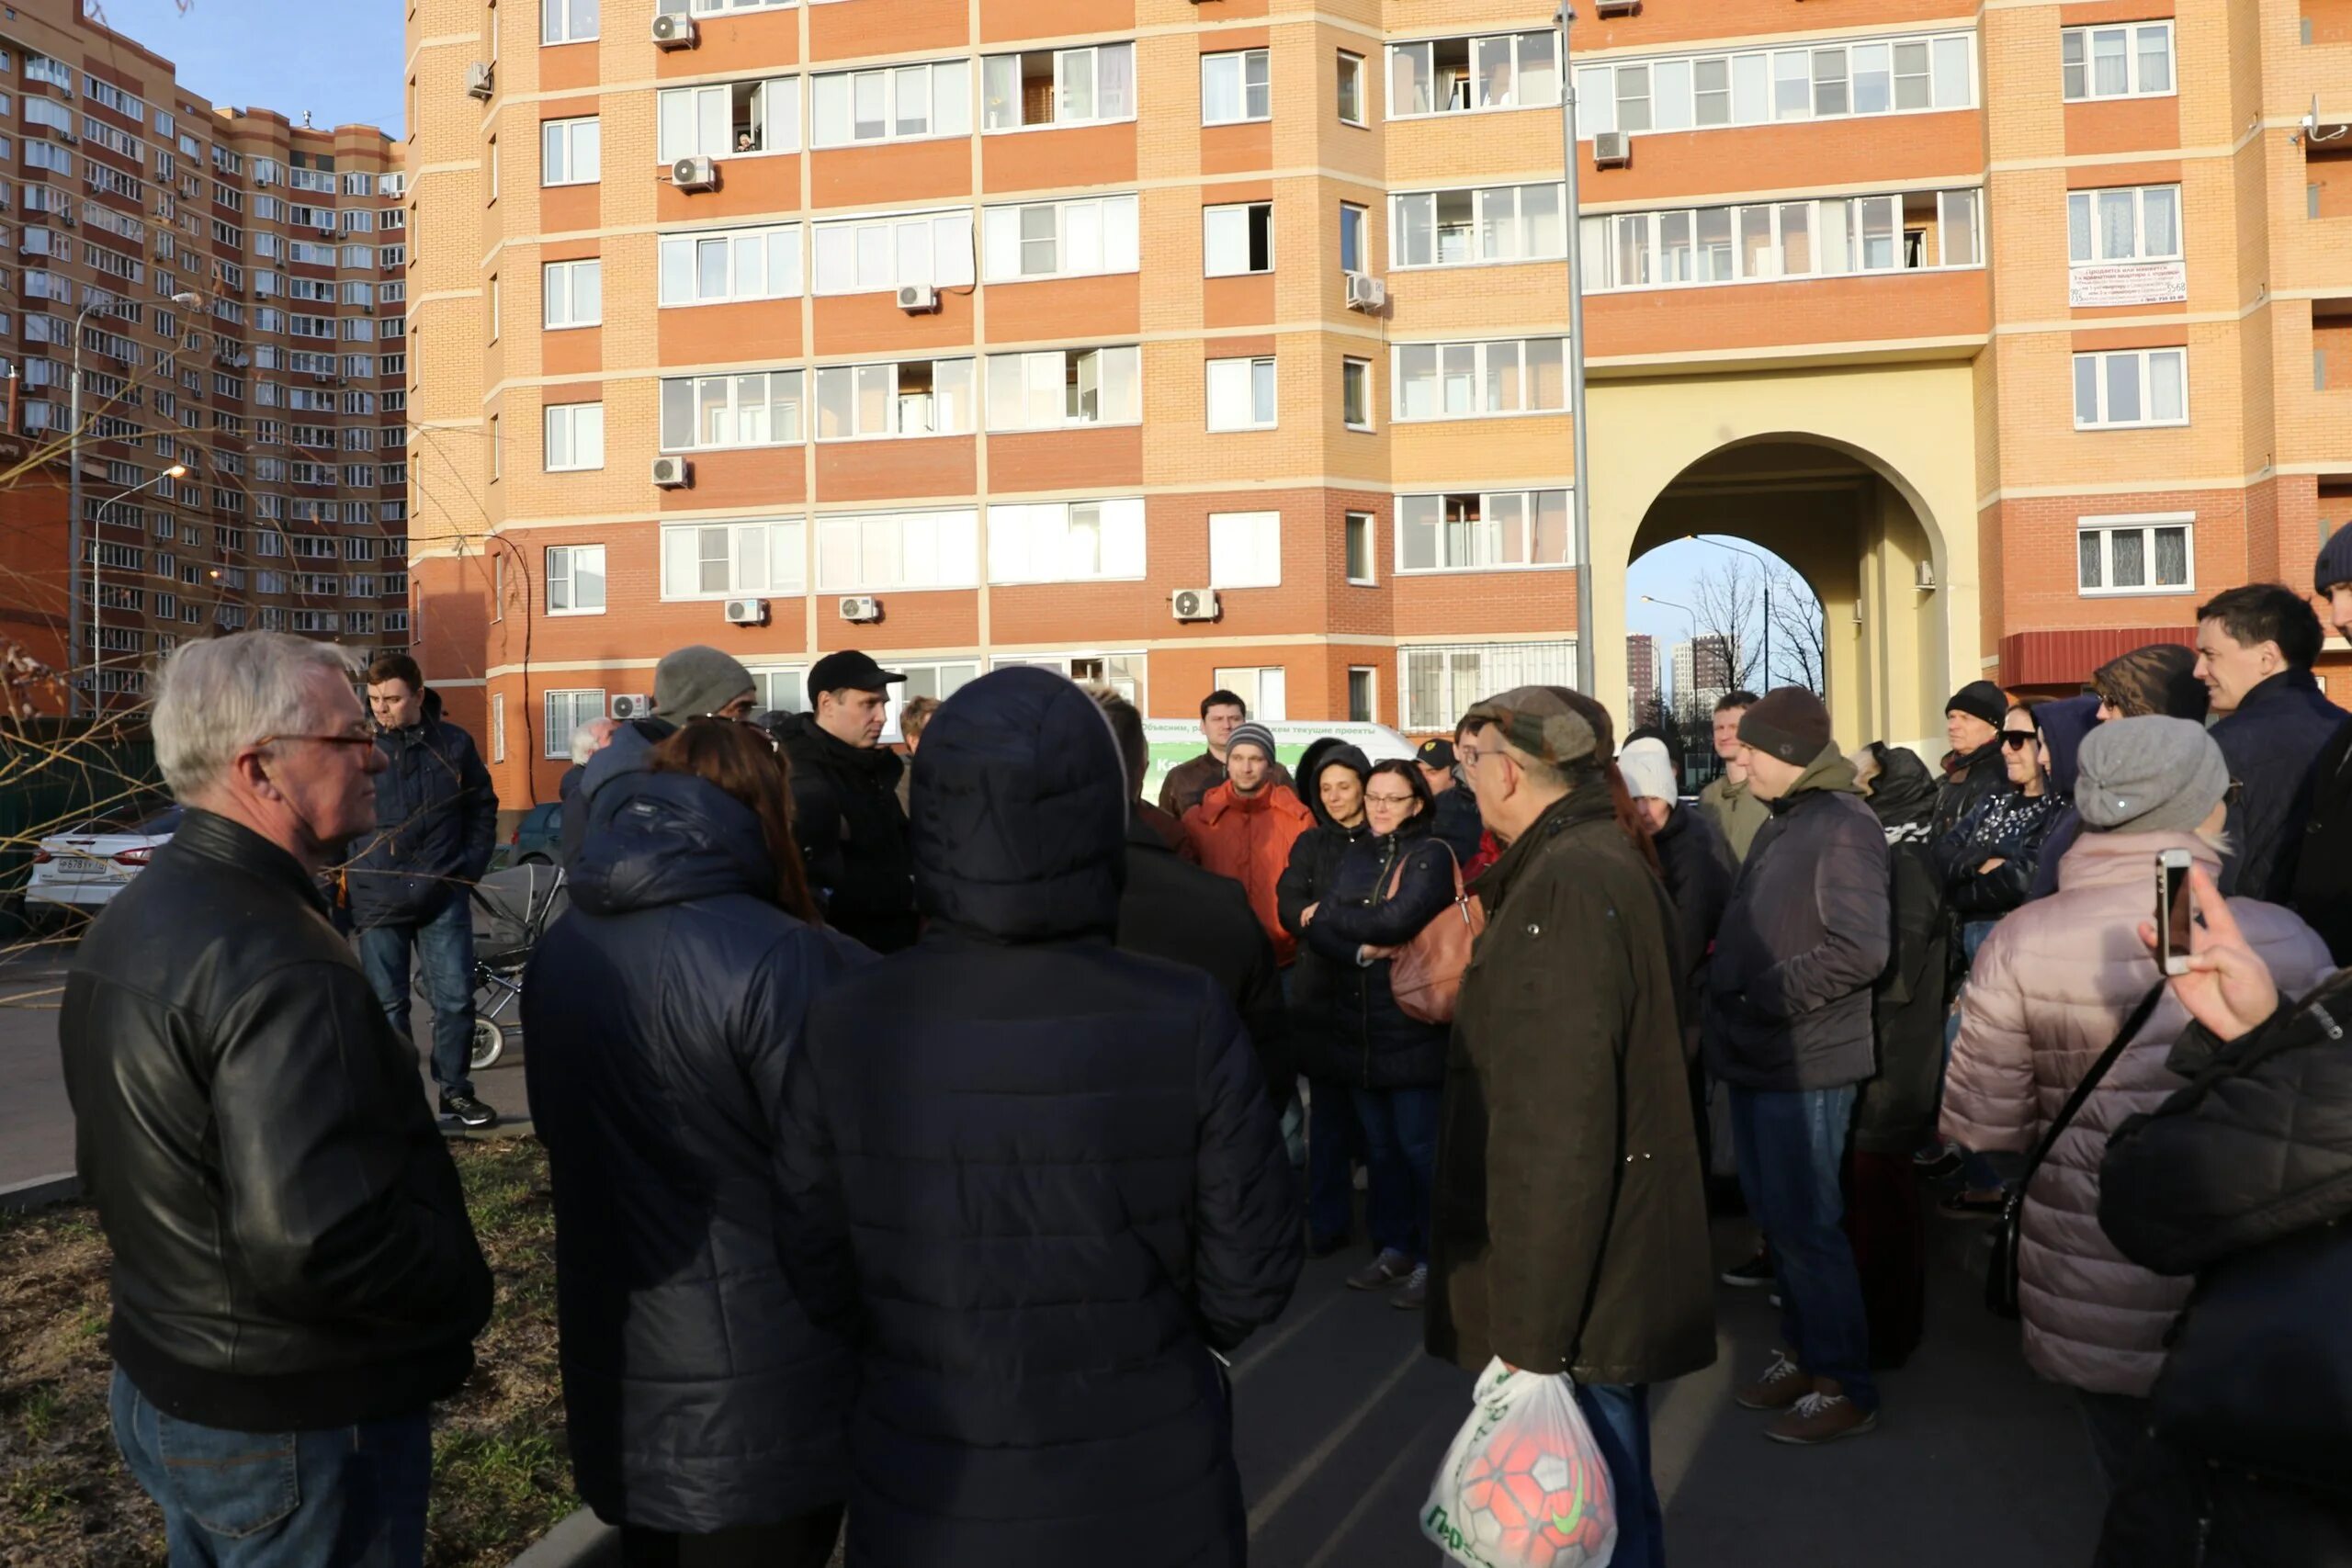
<point x="2222" y="982"/>
<point x="2176" y="911"/>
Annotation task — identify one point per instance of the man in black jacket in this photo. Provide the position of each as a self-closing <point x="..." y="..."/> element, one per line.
<point x="294" y="1274"/>
<point x="1972" y="769"/>
<point x="845" y="801"/>
<point x="2255" y="647"/>
<point x="1457" y="822"/>
<point x="436" y="822"/>
<point x="2322" y="883"/>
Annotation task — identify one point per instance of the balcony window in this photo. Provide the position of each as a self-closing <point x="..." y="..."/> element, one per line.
<point x="2148" y="554"/>
<point x="1482" y="532"/>
<point x="909" y="397"/>
<point x="1058" y="87"/>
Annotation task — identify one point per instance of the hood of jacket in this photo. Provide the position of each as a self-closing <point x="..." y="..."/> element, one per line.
<point x="806" y="742"/>
<point x="675" y="837"/>
<point x="2065" y="725"/>
<point x="1903" y="792"/>
<point x="1328" y="752"/>
<point x="1829" y="773"/>
<point x="1020" y="811"/>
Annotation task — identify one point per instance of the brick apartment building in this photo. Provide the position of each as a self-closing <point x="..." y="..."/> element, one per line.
<point x="280" y="390"/>
<point x="1221" y="344"/>
<point x="1640" y="679"/>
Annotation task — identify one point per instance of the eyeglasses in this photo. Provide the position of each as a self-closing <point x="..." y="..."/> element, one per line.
<point x="2019" y="740"/>
<point x="1389" y="799"/>
<point x="348" y="738"/>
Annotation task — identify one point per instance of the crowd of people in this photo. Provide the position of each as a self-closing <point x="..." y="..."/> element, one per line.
<point x="924" y="1135"/>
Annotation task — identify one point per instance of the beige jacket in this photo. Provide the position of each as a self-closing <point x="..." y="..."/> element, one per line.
<point x="2050" y="989"/>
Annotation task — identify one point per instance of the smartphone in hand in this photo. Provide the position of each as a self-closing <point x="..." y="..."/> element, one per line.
<point x="2176" y="908"/>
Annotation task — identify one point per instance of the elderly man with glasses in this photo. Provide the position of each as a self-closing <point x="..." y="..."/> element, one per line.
<point x="295" y="1278"/>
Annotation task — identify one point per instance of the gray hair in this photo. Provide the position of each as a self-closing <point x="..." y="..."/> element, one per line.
<point x="221" y="695"/>
<point x="587" y="740"/>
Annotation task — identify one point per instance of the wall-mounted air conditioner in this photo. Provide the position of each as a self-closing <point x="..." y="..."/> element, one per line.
<point x="631" y="704"/>
<point x="481" y="80"/>
<point x="917" y="297"/>
<point x="747" y="612"/>
<point x="1612" y="148"/>
<point x="672" y="473"/>
<point x="695" y="173"/>
<point x="674" y="29"/>
<point x="861" y="607"/>
<point x="1366" y="293"/>
<point x="1193" y="603"/>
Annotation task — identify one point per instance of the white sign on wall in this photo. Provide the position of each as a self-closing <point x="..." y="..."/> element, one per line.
<point x="2140" y="283"/>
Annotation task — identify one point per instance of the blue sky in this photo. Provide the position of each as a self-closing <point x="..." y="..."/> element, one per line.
<point x="1667" y="572"/>
<point x="339" y="59"/>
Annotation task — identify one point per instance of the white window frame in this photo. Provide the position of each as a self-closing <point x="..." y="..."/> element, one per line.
<point x="1258" y="380"/>
<point x="1481" y="355"/>
<point x="1245" y="549"/>
<point x="1531" y="504"/>
<point x="945" y="540"/>
<point x="779" y="108"/>
<point x="894" y="83"/>
<point x="782" y="542"/>
<point x="1350" y="364"/>
<point x="1116" y="220"/>
<point x="497" y="725"/>
<point x="1221" y="226"/>
<point x="1479" y="226"/>
<point x="2077" y="61"/>
<point x="781" y="688"/>
<point x="2146" y="524"/>
<point x="1371" y="522"/>
<point x="796" y="398"/>
<point x="1031" y="542"/>
<point x="1065" y="66"/>
<point x="570" y="558"/>
<point x="579" y="426"/>
<point x="1038" y="375"/>
<point x="1746" y="84"/>
<point x="1264" y="689"/>
<point x="1371" y="674"/>
<point x="1547" y="663"/>
<point x="2104" y="390"/>
<point x="562" y="143"/>
<point x="1355" y="216"/>
<point x="1351" y="62"/>
<point x="1850" y="224"/>
<point x="561" y="711"/>
<point x="2085" y="223"/>
<point x="932" y="676"/>
<point x="948" y="240"/>
<point x="896" y="405"/>
<point x="1471" y="83"/>
<point x="569" y="21"/>
<point x="1242" y="64"/>
<point x="776" y="243"/>
<point x="571" y="274"/>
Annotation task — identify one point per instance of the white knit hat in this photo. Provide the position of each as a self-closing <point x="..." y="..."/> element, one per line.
<point x="1648" y="768"/>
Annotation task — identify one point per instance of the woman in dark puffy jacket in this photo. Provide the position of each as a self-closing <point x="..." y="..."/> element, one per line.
<point x="1389" y="884"/>
<point x="1988" y="858"/>
<point x="1331" y="776"/>
<point x="661" y="1012"/>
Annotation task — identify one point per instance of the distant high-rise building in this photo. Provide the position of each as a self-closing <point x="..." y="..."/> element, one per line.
<point x="1701" y="673"/>
<point x="1640" y="679"/>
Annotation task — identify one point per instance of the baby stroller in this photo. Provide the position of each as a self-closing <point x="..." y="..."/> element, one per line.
<point x="512" y="909"/>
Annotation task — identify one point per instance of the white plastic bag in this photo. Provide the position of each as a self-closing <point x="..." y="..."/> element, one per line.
<point x="1524" y="1484"/>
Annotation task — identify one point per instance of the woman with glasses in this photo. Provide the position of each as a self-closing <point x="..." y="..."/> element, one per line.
<point x="1988" y="858"/>
<point x="1390" y="883"/>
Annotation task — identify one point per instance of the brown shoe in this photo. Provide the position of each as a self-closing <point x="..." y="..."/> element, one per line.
<point x="1823" y="1415"/>
<point x="1784" y="1384"/>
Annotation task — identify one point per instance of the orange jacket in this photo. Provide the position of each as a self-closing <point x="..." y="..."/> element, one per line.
<point x="1247" y="838"/>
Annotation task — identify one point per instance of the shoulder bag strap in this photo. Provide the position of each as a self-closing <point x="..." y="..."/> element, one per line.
<point x="2074" y="1101"/>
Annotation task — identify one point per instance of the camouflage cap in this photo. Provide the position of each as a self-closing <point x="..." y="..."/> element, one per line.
<point x="1547" y="723"/>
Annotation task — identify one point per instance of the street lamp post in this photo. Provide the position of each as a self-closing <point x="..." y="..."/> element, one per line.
<point x="1693" y="616"/>
<point x="1767" y="565"/>
<point x="97" y="600"/>
<point x="1580" y="499"/>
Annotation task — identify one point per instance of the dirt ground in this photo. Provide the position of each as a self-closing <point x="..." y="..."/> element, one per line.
<point x="501" y="1478"/>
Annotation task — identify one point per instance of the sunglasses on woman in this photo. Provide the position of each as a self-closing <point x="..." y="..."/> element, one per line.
<point x="2019" y="740"/>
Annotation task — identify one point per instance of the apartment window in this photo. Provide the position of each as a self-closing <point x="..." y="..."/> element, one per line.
<point x="898" y="551"/>
<point x="1265" y="688"/>
<point x="1364" y="694"/>
<point x="1459" y="228"/>
<point x="1355" y="393"/>
<point x="1355" y="242"/>
<point x="1915" y="231"/>
<point x="575" y="294"/>
<point x="1351" y="108"/>
<point x="1359" y="546"/>
<point x="902" y="103"/>
<point x="2134" y="223"/>
<point x="497" y="458"/>
<point x="781" y="688"/>
<point x="1466" y="380"/>
<point x="1057" y="387"/>
<point x="1238" y="240"/>
<point x="1440" y="681"/>
<point x="938" y="681"/>
<point x="2131" y="388"/>
<point x="565" y="711"/>
<point x="1456" y="75"/>
<point x="705" y="414"/>
<point x="497" y="725"/>
<point x="1483" y="532"/>
<point x="730" y="264"/>
<point x="1076" y="541"/>
<point x="712" y="561"/>
<point x="2148" y="554"/>
<point x="867" y="255"/>
<point x="1060" y="239"/>
<point x="1236" y="86"/>
<point x="575" y="580"/>
<point x="2130" y="62"/>
<point x="1058" y="86"/>
<point x="575" y="434"/>
<point x="570" y="152"/>
<point x="1245" y="549"/>
<point x="494" y="312"/>
<point x="729" y="119"/>
<point x="326" y="214"/>
<point x="1905" y="76"/>
<point x="1241" y="394"/>
<point x="910" y="397"/>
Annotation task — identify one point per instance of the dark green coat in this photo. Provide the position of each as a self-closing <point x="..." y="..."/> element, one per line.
<point x="1570" y="1229"/>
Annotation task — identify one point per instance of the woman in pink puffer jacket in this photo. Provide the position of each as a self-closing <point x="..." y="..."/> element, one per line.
<point x="2047" y="993"/>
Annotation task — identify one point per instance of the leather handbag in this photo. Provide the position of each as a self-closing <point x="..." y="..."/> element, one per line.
<point x="1424" y="975"/>
<point x="2001" y="1275"/>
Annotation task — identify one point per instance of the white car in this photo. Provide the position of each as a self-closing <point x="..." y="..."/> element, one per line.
<point x="79" y="871"/>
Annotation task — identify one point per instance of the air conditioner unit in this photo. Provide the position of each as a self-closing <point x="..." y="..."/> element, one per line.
<point x="631" y="704"/>
<point x="1366" y="293"/>
<point x="480" y="80"/>
<point x="674" y="31"/>
<point x="1193" y="603"/>
<point x="861" y="607"/>
<point x="747" y="612"/>
<point x="1925" y="580"/>
<point x="672" y="473"/>
<point x="695" y="173"/>
<point x="918" y="297"/>
<point x="1612" y="148"/>
<point x="1615" y="7"/>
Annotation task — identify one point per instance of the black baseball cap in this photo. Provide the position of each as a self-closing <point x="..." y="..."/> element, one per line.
<point x="849" y="670"/>
<point x="1435" y="754"/>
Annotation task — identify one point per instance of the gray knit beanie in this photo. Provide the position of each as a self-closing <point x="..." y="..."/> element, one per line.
<point x="1256" y="735"/>
<point x="693" y="683"/>
<point x="2150" y="776"/>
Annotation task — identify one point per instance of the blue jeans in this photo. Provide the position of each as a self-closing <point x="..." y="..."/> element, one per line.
<point x="1401" y="1145"/>
<point x="1792" y="1147"/>
<point x="445" y="952"/>
<point x="343" y="1497"/>
<point x="1619" y="1414"/>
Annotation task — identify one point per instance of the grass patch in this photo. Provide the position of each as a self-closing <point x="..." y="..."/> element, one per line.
<point x="500" y="1475"/>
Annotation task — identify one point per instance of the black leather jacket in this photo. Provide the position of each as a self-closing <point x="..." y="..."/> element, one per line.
<point x="291" y="1248"/>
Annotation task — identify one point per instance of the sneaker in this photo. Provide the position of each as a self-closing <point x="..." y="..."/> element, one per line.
<point x="1784" y="1384"/>
<point x="1390" y="1267"/>
<point x="1416" y="1293"/>
<point x="468" y="1112"/>
<point x="1821" y="1416"/>
<point x="1936" y="1161"/>
<point x="1757" y="1270"/>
